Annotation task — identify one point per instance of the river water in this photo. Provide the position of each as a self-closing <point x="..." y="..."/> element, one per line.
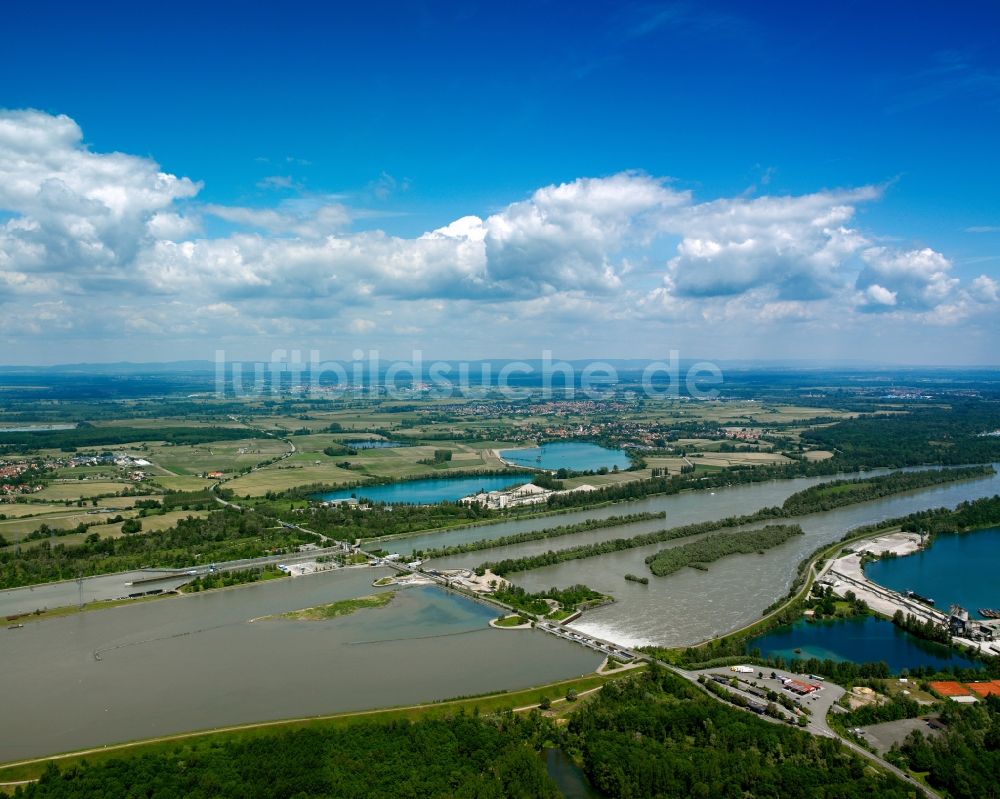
<point x="690" y="605"/>
<point x="196" y="662"/>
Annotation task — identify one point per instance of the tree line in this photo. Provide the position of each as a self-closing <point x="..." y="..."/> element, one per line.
<point x="222" y="535"/>
<point x="720" y="545"/>
<point x="538" y="535"/>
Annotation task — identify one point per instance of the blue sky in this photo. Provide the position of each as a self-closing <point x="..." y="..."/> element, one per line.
<point x="766" y="180"/>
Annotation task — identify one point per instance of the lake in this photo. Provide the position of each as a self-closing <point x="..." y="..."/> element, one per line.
<point x="864" y="639"/>
<point x="428" y="491"/>
<point x="958" y="568"/>
<point x="574" y="455"/>
<point x="196" y="661"/>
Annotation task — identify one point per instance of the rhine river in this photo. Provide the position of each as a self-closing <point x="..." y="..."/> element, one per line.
<point x="690" y="605"/>
<point x="197" y="661"/>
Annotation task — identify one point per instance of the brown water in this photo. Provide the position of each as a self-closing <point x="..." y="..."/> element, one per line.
<point x="196" y="662"/>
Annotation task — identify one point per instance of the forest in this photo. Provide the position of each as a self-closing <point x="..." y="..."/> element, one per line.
<point x="658" y="736"/>
<point x="838" y="493"/>
<point x="944" y="435"/>
<point x="965" y="760"/>
<point x="719" y="545"/>
<point x="86" y="435"/>
<point x="466" y="757"/>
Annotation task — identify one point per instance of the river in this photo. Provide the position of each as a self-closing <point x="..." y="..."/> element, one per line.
<point x="196" y="662"/>
<point x="690" y="605"/>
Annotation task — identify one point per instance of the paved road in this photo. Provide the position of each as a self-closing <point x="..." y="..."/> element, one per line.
<point x="291" y="451"/>
<point x="820" y="703"/>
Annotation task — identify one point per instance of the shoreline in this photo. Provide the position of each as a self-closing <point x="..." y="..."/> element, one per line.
<point x="846" y="573"/>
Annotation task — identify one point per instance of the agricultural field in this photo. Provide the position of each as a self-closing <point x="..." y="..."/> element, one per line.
<point x="82" y="489"/>
<point x="177" y="482"/>
<point x="223" y="456"/>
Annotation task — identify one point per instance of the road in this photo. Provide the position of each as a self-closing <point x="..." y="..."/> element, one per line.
<point x="291" y="451"/>
<point x="819" y="703"/>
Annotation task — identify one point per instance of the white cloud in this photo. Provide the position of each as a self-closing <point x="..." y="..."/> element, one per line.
<point x="107" y="243"/>
<point x="74" y="211"/>
<point x="794" y="245"/>
<point x="917" y="279"/>
<point x="879" y="295"/>
<point x="985" y="289"/>
<point x="305" y="220"/>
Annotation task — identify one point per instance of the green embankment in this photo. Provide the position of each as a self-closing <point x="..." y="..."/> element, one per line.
<point x="538" y="535"/>
<point x="344" y="607"/>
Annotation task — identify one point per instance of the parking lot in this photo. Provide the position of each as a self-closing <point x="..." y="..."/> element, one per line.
<point x="882" y="736"/>
<point x="755" y="685"/>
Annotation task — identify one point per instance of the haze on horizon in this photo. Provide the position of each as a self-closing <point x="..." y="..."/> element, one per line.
<point x="481" y="181"/>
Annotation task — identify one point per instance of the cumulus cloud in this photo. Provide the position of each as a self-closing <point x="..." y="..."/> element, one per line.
<point x="793" y="245"/>
<point x="117" y="234"/>
<point x="913" y="279"/>
<point x="72" y="210"/>
<point x="984" y="289"/>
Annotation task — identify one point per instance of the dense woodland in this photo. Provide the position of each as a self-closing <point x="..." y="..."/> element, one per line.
<point x="838" y="493"/>
<point x="349" y="522"/>
<point x="659" y="736"/>
<point x="965" y="760"/>
<point x="86" y="435"/>
<point x="719" y="545"/>
<point x="939" y="434"/>
<point x="464" y="757"/>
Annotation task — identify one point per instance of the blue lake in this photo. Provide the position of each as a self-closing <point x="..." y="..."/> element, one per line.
<point x="956" y="568"/>
<point x="428" y="492"/>
<point x="865" y="639"/>
<point x="575" y="455"/>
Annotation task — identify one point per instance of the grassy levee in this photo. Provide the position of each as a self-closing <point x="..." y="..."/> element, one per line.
<point x="488" y="703"/>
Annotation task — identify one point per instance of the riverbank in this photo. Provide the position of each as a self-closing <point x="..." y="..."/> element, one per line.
<point x="519" y="701"/>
